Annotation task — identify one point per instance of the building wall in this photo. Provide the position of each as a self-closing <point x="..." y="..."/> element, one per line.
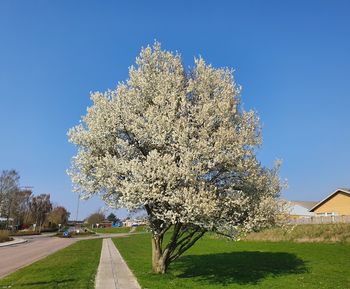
<point x="299" y="211"/>
<point x="338" y="204"/>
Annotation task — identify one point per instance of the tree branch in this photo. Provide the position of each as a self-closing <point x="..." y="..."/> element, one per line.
<point x="188" y="237"/>
<point x="186" y="246"/>
<point x="173" y="238"/>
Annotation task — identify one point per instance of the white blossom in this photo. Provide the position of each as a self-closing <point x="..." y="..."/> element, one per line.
<point x="178" y="144"/>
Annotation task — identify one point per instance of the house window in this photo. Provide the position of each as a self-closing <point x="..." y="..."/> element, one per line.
<point x="326" y="214"/>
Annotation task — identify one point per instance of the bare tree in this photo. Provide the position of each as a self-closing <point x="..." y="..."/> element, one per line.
<point x="20" y="207"/>
<point x="9" y="186"/>
<point x="59" y="215"/>
<point x="96" y="218"/>
<point x="40" y="206"/>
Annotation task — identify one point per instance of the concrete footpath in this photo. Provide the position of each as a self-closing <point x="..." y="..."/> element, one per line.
<point x="113" y="272"/>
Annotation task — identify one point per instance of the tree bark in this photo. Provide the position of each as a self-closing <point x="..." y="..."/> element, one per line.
<point x="159" y="260"/>
<point x="180" y="241"/>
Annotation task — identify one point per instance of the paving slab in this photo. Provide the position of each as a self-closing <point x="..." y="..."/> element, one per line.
<point x="113" y="272"/>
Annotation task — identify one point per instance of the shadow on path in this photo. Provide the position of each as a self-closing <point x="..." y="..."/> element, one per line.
<point x="247" y="267"/>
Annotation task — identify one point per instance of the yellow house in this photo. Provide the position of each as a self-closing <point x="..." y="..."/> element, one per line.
<point x="336" y="204"/>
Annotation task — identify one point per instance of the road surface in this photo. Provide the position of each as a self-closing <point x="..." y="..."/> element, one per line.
<point x="37" y="247"/>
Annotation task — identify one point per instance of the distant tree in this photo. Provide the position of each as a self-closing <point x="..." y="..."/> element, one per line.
<point x="58" y="215"/>
<point x="112" y="218"/>
<point x="9" y="186"/>
<point x="96" y="218"/>
<point x="40" y="206"/>
<point x="179" y="145"/>
<point x="20" y="209"/>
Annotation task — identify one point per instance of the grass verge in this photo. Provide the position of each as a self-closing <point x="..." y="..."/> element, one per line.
<point x="141" y="228"/>
<point x="219" y="264"/>
<point x="70" y="268"/>
<point x="112" y="230"/>
<point x="330" y="233"/>
<point x="138" y="229"/>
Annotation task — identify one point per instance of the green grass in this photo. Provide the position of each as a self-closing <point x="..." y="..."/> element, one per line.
<point x="141" y="228"/>
<point x="71" y="268"/>
<point x="112" y="230"/>
<point x="216" y="263"/>
<point x="119" y="230"/>
<point x="329" y="233"/>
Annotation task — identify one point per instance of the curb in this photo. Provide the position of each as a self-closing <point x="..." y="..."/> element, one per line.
<point x="15" y="241"/>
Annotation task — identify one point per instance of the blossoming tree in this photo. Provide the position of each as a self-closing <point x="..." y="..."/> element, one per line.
<point x="179" y="145"/>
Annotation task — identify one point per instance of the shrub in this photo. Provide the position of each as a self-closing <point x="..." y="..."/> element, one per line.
<point x="24" y="233"/>
<point x="4" y="236"/>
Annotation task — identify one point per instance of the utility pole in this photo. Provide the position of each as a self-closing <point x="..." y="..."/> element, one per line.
<point x="76" y="217"/>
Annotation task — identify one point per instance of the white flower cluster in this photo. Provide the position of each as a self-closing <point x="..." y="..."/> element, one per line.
<point x="178" y="144"/>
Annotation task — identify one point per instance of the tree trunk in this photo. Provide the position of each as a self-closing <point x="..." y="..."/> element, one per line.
<point x="159" y="261"/>
<point x="36" y="224"/>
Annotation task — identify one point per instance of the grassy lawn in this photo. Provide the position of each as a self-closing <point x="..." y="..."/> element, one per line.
<point x="112" y="230"/>
<point x="141" y="228"/>
<point x="216" y="263"/>
<point x="73" y="267"/>
<point x="138" y="229"/>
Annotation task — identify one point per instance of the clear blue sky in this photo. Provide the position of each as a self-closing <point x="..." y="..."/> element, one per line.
<point x="292" y="59"/>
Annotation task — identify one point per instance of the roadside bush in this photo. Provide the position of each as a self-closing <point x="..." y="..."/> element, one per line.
<point x="24" y="233"/>
<point x="49" y="230"/>
<point x="4" y="236"/>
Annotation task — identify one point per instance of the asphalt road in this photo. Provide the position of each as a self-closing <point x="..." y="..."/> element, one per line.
<point x="38" y="246"/>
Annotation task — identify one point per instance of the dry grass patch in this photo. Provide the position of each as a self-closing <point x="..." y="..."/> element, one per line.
<point x="4" y="236"/>
<point x="329" y="233"/>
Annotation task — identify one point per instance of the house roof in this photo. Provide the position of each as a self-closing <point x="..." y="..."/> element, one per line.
<point x="340" y="190"/>
<point x="305" y="204"/>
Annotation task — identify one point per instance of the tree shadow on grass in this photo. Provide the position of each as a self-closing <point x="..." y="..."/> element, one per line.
<point x="247" y="267"/>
